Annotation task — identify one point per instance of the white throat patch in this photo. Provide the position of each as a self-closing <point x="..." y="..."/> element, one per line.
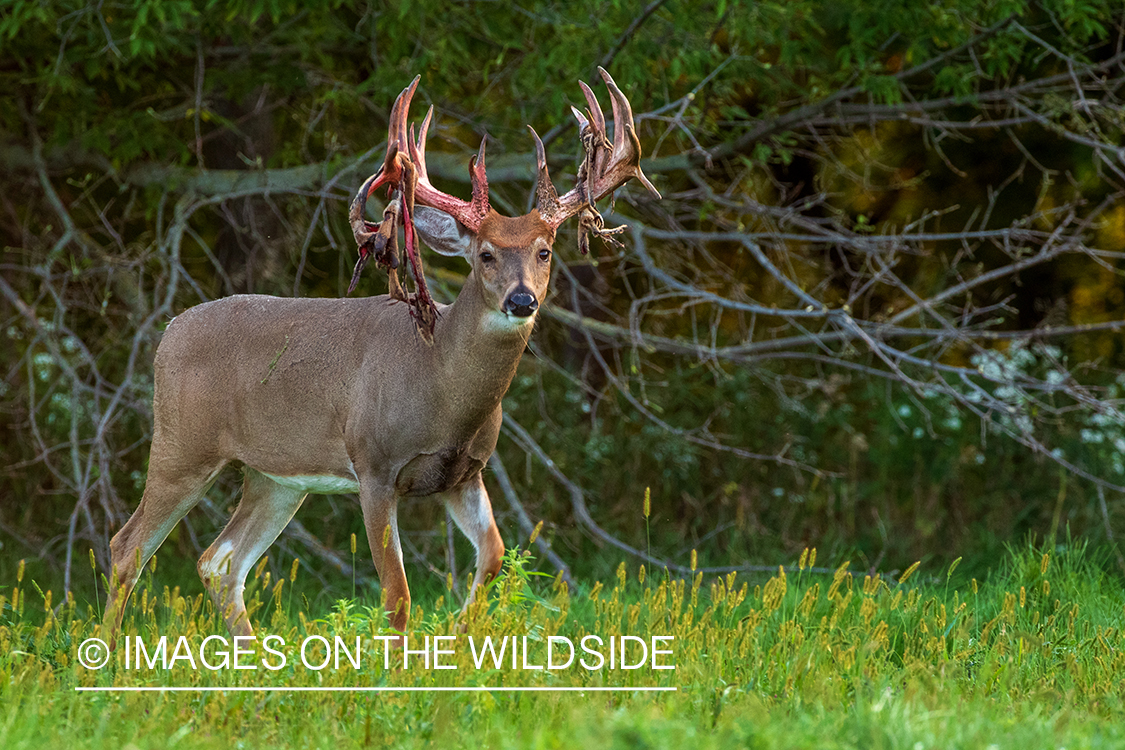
<point x="502" y="321"/>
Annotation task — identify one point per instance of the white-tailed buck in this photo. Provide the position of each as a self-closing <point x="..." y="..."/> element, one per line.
<point x="388" y="397"/>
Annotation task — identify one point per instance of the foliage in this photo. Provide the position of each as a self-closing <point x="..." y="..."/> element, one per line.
<point x="118" y="81"/>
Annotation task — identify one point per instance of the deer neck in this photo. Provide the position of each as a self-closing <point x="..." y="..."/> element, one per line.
<point x="477" y="355"/>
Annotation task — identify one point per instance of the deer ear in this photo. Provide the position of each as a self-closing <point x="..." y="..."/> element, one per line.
<point x="441" y="232"/>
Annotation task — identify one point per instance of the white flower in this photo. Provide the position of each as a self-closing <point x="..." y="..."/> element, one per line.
<point x="1092" y="437"/>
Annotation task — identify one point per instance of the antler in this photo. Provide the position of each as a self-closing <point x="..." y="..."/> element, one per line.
<point x="403" y="150"/>
<point x="606" y="166"/>
<point x="404" y="172"/>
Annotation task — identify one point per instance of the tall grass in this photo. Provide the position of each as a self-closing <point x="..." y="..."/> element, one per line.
<point x="1034" y="657"/>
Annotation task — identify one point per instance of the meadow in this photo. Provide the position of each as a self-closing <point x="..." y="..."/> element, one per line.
<point x="1030" y="657"/>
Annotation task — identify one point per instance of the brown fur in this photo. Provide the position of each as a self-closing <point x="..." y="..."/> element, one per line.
<point x="520" y="232"/>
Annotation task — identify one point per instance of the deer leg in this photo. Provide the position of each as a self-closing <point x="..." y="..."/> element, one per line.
<point x="168" y="496"/>
<point x="472" y="511"/>
<point x="380" y="517"/>
<point x="262" y="514"/>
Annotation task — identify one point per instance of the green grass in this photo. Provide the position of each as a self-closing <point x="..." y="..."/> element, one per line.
<point x="1033" y="657"/>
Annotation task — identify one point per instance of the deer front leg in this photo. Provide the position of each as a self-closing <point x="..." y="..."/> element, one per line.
<point x="472" y="511"/>
<point x="380" y="517"/>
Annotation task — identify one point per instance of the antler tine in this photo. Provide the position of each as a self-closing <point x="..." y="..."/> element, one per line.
<point x="597" y="119"/>
<point x="622" y="110"/>
<point x="546" y="197"/>
<point x="397" y="140"/>
<point x="478" y="181"/>
<point x="625" y="141"/>
<point x="418" y="147"/>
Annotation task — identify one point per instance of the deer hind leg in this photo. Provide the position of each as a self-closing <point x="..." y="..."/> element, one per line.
<point x="168" y="496"/>
<point x="472" y="511"/>
<point x="262" y="514"/>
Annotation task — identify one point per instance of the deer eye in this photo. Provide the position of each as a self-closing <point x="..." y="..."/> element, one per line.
<point x="544" y="255"/>
<point x="487" y="257"/>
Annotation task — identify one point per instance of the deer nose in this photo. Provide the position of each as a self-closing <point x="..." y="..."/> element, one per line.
<point x="522" y="304"/>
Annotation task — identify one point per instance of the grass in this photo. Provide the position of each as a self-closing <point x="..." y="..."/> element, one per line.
<point x="1033" y="657"/>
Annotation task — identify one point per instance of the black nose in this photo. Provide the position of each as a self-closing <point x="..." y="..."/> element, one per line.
<point x="522" y="304"/>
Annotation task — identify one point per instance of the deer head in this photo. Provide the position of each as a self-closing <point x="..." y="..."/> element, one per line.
<point x="510" y="257"/>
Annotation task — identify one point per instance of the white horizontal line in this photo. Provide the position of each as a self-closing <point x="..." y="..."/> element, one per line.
<point x="299" y="689"/>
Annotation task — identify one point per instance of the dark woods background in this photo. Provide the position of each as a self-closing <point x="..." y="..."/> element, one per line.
<point x="878" y="311"/>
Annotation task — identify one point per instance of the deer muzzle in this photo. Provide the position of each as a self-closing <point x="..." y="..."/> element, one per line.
<point x="521" y="304"/>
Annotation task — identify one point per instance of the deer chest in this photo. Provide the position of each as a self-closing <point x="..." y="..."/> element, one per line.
<point x="430" y="473"/>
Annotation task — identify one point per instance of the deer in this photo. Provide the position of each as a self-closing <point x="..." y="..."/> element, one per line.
<point x="387" y="397"/>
